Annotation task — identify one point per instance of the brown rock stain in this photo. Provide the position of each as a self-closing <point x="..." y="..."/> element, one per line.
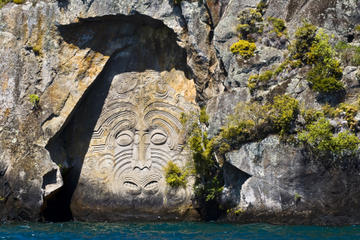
<point x="182" y="85"/>
<point x="5" y="83"/>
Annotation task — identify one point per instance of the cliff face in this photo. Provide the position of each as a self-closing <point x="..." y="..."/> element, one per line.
<point x="114" y="79"/>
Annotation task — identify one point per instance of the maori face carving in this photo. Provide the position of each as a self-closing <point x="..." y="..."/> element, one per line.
<point x="137" y="134"/>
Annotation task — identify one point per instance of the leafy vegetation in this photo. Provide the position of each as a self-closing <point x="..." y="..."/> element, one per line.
<point x="174" y="176"/>
<point x="312" y="47"/>
<point x="255" y="80"/>
<point x="283" y="112"/>
<point x="249" y="24"/>
<point x="34" y="100"/>
<point x="4" y="2"/>
<point x="304" y="38"/>
<point x="252" y="121"/>
<point x="243" y="47"/>
<point x="326" y="72"/>
<point x="349" y="54"/>
<point x="278" y="25"/>
<point x="208" y="185"/>
<point x="208" y="173"/>
<point x="319" y="135"/>
<point x="357" y="28"/>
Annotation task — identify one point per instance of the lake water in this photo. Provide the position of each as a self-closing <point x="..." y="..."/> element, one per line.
<point x="186" y="230"/>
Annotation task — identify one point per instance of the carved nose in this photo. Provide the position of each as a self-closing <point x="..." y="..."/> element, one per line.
<point x="141" y="149"/>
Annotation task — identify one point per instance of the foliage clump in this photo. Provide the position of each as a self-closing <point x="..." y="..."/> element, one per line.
<point x="174" y="176"/>
<point x="349" y="54"/>
<point x="357" y="28"/>
<point x="250" y="24"/>
<point x="203" y="118"/>
<point x="283" y="112"/>
<point x="252" y="121"/>
<point x="208" y="174"/>
<point x="4" y="2"/>
<point x="312" y="47"/>
<point x="319" y="135"/>
<point x="278" y="25"/>
<point x="260" y="79"/>
<point x="34" y="100"/>
<point x="304" y="38"/>
<point x="243" y="47"/>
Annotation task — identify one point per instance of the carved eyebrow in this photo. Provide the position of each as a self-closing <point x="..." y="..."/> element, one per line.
<point x="172" y="120"/>
<point x="157" y="105"/>
<point x="109" y="119"/>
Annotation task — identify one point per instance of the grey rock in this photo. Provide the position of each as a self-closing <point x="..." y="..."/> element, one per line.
<point x="284" y="181"/>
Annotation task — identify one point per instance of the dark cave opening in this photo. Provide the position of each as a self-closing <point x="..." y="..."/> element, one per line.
<point x="134" y="43"/>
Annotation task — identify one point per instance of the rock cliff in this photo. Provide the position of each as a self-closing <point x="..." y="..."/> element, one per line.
<point x="112" y="83"/>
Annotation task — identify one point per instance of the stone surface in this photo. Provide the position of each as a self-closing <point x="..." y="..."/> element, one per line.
<point x="76" y="55"/>
<point x="286" y="185"/>
<point x="137" y="133"/>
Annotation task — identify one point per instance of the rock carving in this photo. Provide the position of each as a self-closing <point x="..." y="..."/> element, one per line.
<point x="136" y="135"/>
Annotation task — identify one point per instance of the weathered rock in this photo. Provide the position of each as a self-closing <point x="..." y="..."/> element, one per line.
<point x="137" y="132"/>
<point x="56" y="50"/>
<point x="73" y="54"/>
<point x="284" y="180"/>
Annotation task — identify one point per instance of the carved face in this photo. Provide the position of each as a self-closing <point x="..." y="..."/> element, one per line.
<point x="141" y="153"/>
<point x="137" y="134"/>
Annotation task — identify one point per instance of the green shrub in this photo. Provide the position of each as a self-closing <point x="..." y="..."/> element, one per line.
<point x="174" y="176"/>
<point x="283" y="112"/>
<point x="254" y="80"/>
<point x="4" y="2"/>
<point x="326" y="71"/>
<point x="349" y="55"/>
<point x="323" y="80"/>
<point x="204" y="118"/>
<point x="261" y="7"/>
<point x="321" y="53"/>
<point x="245" y="48"/>
<point x="311" y="115"/>
<point x="19" y="1"/>
<point x="320" y="137"/>
<point x="34" y="100"/>
<point x="304" y="38"/>
<point x="357" y="28"/>
<point x="344" y="141"/>
<point x="239" y="132"/>
<point x="350" y="113"/>
<point x="278" y="25"/>
<point x="208" y="181"/>
<point x="250" y="23"/>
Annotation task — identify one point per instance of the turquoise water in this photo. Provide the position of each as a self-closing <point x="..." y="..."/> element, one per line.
<point x="173" y="231"/>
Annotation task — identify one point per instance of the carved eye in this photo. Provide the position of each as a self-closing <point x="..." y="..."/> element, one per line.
<point x="158" y="138"/>
<point x="125" y="139"/>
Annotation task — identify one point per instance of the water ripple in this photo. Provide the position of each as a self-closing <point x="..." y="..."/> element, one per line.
<point x="173" y="231"/>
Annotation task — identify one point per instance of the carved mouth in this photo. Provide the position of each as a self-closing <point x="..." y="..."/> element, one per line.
<point x="150" y="188"/>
